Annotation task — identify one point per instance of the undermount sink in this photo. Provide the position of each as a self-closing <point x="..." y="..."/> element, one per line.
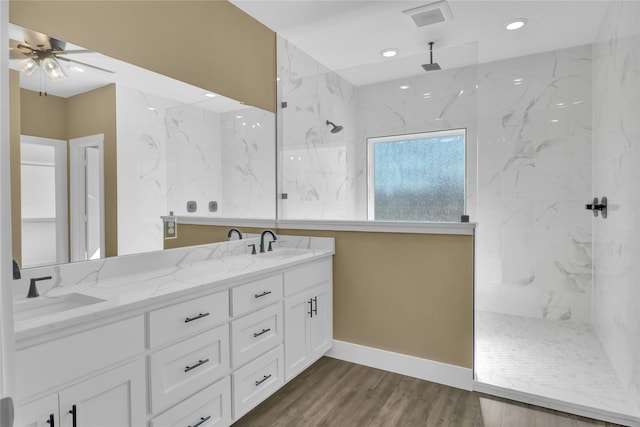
<point x="43" y="306"/>
<point x="284" y="253"/>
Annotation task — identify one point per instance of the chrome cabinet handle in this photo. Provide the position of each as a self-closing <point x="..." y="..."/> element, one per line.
<point x="264" y="378"/>
<point x="202" y="420"/>
<point x="200" y="363"/>
<point x="199" y="316"/>
<point x="265" y="293"/>
<point x="264" y="331"/>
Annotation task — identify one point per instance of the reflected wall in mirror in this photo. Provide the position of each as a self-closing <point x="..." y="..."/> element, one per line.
<point x="162" y="143"/>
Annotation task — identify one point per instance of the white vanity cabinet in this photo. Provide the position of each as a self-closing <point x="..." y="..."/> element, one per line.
<point x="115" y="397"/>
<point x="308" y="313"/>
<point x="204" y="360"/>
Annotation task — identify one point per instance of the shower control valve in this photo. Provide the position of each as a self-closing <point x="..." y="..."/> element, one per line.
<point x="598" y="207"/>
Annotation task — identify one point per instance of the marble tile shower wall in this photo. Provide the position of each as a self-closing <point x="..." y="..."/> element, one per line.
<point x="141" y="170"/>
<point x="616" y="77"/>
<point x="534" y="177"/>
<point x="193" y="156"/>
<point x="248" y="166"/>
<point x="176" y="153"/>
<point x="317" y="168"/>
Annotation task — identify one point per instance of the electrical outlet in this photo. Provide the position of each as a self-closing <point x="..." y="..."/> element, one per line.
<point x="213" y="206"/>
<point x="192" y="206"/>
<point x="170" y="228"/>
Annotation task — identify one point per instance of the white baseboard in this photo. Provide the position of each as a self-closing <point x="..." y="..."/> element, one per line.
<point x="424" y="369"/>
<point x="558" y="405"/>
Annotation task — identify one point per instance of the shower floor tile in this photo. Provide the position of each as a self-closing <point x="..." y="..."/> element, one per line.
<point x="554" y="359"/>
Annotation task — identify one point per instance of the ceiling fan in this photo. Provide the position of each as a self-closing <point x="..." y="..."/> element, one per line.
<point x="41" y="51"/>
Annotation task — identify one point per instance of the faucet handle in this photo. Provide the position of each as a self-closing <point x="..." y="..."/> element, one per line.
<point x="33" y="289"/>
<point x="253" y="250"/>
<point x="269" y="249"/>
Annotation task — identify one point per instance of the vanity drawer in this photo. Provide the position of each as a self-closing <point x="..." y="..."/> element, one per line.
<point x="255" y="333"/>
<point x="188" y="366"/>
<point x="211" y="406"/>
<point x="307" y="277"/>
<point x="47" y="365"/>
<point x="255" y="295"/>
<point x="256" y="381"/>
<point x="179" y="320"/>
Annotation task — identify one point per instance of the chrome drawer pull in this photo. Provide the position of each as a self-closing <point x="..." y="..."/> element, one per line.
<point x="202" y="420"/>
<point x="264" y="331"/>
<point x="264" y="378"/>
<point x="265" y="293"/>
<point x="200" y="362"/>
<point x="199" y="316"/>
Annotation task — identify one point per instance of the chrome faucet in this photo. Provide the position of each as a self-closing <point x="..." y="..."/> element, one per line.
<point x="33" y="289"/>
<point x="232" y="231"/>
<point x="262" y="240"/>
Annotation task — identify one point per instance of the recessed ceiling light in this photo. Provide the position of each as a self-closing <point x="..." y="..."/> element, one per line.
<point x="239" y="117"/>
<point x="515" y="24"/>
<point x="404" y="87"/>
<point x="389" y="53"/>
<point x="427" y="95"/>
<point x="554" y="121"/>
<point x="210" y="95"/>
<point x="151" y="109"/>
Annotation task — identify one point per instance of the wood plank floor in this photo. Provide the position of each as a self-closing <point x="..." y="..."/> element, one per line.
<point x="336" y="393"/>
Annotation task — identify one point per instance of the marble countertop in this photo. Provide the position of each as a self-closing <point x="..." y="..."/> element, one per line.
<point x="136" y="291"/>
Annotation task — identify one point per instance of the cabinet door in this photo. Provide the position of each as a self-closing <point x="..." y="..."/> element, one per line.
<point x="115" y="398"/>
<point x="296" y="334"/>
<point x="321" y="321"/>
<point x="38" y="413"/>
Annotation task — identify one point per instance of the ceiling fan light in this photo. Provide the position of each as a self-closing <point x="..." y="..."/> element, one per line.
<point x="28" y="66"/>
<point x="53" y="69"/>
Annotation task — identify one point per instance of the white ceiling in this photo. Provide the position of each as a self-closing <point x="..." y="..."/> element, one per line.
<point x="347" y="35"/>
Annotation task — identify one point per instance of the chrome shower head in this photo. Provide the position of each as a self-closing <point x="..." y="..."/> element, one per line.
<point x="432" y="66"/>
<point x="335" y="129"/>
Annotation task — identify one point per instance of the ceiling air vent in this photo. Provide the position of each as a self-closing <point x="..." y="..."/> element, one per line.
<point x="431" y="13"/>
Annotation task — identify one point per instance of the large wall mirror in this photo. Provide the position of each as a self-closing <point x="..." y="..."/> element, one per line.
<point x="107" y="148"/>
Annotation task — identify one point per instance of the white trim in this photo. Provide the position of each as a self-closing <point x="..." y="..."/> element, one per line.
<point x="459" y="228"/>
<point x="77" y="194"/>
<point x="466" y="228"/>
<point x="227" y="222"/>
<point x="424" y="369"/>
<point x="558" y="405"/>
<point x="7" y="344"/>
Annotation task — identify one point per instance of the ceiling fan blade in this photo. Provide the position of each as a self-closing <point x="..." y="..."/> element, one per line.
<point x="69" y="52"/>
<point x="34" y="38"/>
<point x="84" y="63"/>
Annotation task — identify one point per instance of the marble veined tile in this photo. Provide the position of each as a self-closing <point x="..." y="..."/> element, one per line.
<point x="558" y="360"/>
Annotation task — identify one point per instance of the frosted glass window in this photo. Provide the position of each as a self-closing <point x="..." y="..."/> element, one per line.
<point x="418" y="177"/>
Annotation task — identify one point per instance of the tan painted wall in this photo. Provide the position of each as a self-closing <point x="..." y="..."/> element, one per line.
<point x="92" y="113"/>
<point x="406" y="293"/>
<point x="43" y="116"/>
<point x="14" y="159"/>
<point x="235" y="54"/>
